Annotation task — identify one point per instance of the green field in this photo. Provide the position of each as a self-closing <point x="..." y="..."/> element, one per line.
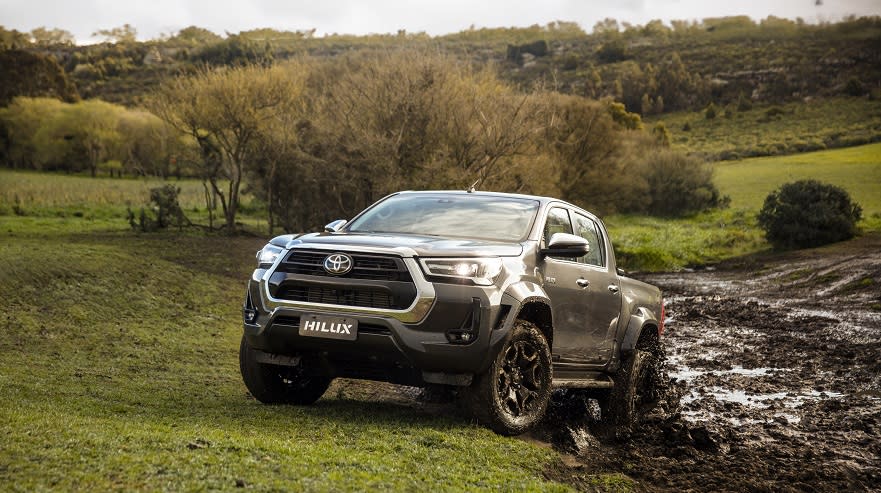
<point x="83" y="203"/>
<point x="647" y="243"/>
<point x="41" y="202"/>
<point x="120" y="372"/>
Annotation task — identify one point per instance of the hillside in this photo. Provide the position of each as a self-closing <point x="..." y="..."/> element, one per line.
<point x="686" y="65"/>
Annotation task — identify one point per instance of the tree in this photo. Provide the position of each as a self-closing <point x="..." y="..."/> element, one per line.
<point x="808" y="213"/>
<point x="13" y="39"/>
<point x="29" y="74"/>
<point x="122" y="34"/>
<point x="588" y="145"/>
<point x="661" y="134"/>
<point x="236" y="50"/>
<point x="195" y="36"/>
<point x="21" y="121"/>
<point x="226" y="112"/>
<point x="86" y="130"/>
<point x="42" y="36"/>
<point x="145" y="143"/>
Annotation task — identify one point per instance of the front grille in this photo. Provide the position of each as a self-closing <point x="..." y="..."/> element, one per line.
<point x="365" y="266"/>
<point x="366" y="297"/>
<point x="375" y="281"/>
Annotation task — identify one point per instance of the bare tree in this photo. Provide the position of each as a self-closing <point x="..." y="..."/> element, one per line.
<point x="226" y="111"/>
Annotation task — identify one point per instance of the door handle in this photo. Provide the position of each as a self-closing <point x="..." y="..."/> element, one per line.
<point x="583" y="283"/>
<point x="613" y="288"/>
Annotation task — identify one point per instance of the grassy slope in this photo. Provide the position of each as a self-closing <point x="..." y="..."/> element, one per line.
<point x="647" y="243"/>
<point x="795" y="127"/>
<point x="119" y="371"/>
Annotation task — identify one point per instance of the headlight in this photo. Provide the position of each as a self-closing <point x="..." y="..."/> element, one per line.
<point x="481" y="271"/>
<point x="268" y="255"/>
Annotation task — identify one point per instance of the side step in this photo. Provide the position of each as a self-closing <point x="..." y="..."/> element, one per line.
<point x="566" y="378"/>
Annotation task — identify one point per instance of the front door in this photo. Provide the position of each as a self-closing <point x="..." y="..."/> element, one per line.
<point x="585" y="299"/>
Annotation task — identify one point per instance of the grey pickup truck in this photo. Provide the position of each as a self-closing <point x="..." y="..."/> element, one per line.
<point x="499" y="297"/>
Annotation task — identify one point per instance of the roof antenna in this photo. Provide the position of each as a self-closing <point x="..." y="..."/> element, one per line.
<point x="473" y="187"/>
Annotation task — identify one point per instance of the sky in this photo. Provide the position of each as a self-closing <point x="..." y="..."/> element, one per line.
<point x="156" y="17"/>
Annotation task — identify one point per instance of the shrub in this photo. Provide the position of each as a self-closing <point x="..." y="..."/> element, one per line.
<point x="710" y="112"/>
<point x="854" y="87"/>
<point x="679" y="185"/>
<point x="808" y="213"/>
<point x="165" y="208"/>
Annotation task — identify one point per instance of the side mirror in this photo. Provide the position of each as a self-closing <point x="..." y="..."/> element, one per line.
<point x="335" y="226"/>
<point x="566" y="245"/>
<point x="621" y="272"/>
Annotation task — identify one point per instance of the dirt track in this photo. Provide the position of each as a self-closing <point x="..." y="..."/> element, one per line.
<point x="777" y="382"/>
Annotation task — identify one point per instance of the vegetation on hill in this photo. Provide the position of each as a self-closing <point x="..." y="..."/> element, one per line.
<point x="651" y="68"/>
<point x="31" y="75"/>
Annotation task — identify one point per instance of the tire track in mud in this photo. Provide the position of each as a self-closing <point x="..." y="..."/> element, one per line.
<point x="776" y="383"/>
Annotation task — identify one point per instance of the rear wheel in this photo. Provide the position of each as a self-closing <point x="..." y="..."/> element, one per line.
<point x="637" y="388"/>
<point x="512" y="395"/>
<point x="276" y="384"/>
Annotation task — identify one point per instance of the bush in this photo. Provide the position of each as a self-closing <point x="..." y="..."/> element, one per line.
<point x="710" y="112"/>
<point x="808" y="213"/>
<point x="679" y="185"/>
<point x="165" y="208"/>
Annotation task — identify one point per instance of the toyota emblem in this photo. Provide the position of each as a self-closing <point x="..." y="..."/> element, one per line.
<point x="338" y="264"/>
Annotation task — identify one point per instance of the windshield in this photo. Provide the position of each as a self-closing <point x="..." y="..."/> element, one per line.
<point x="464" y="216"/>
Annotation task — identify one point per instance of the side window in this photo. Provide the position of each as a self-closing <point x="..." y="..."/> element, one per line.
<point x="558" y="222"/>
<point x="587" y="229"/>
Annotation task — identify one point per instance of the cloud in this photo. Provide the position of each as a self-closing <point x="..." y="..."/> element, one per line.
<point x="155" y="17"/>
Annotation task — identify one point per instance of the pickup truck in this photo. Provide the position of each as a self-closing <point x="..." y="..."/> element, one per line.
<point x="500" y="297"/>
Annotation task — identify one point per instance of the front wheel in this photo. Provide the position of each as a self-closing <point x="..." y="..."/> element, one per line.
<point x="275" y="384"/>
<point x="512" y="395"/>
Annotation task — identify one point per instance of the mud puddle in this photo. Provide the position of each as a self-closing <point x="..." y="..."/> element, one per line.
<point x="776" y="382"/>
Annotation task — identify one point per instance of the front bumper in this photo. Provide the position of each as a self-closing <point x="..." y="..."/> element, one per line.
<point x="415" y="345"/>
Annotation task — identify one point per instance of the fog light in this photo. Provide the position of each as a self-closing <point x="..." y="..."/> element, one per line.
<point x="250" y="316"/>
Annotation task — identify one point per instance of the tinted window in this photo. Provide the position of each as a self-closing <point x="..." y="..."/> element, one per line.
<point x="587" y="229"/>
<point x="464" y="216"/>
<point x="557" y="222"/>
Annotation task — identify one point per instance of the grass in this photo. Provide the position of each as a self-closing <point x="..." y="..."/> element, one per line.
<point x="769" y="130"/>
<point x="119" y="372"/>
<point x="856" y="169"/>
<point x="79" y="202"/>
<point x="651" y="244"/>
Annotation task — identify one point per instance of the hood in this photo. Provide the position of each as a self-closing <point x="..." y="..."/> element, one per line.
<point x="408" y="245"/>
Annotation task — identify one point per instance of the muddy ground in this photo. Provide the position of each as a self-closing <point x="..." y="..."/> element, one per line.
<point x="776" y="368"/>
<point x="775" y="371"/>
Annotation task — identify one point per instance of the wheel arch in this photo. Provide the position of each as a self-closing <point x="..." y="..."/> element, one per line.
<point x="642" y="331"/>
<point x="537" y="310"/>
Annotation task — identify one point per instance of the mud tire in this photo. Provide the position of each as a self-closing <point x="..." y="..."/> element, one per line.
<point x="274" y="384"/>
<point x="512" y="395"/>
<point x="635" y="392"/>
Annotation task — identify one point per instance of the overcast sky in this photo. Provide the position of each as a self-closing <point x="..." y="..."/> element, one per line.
<point x="155" y="17"/>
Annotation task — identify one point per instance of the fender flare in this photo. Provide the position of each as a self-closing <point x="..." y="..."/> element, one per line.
<point x="517" y="296"/>
<point x="639" y="320"/>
